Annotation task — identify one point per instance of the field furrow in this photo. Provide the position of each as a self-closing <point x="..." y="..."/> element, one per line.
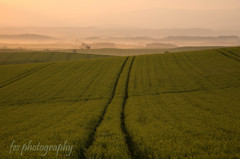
<point x="76" y="81"/>
<point x="8" y="58"/>
<point x="41" y="123"/>
<point x="39" y="119"/>
<point x="48" y="56"/>
<point x="188" y="115"/>
<point x="234" y="50"/>
<point x="232" y="56"/>
<point x="68" y="57"/>
<point x="233" y="53"/>
<point x="23" y="75"/>
<point x="29" y="57"/>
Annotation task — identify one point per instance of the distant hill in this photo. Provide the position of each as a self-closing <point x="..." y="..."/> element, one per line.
<point x="160" y="45"/>
<point x="26" y="37"/>
<point x="96" y="33"/>
<point x="197" y="38"/>
<point x="203" y="40"/>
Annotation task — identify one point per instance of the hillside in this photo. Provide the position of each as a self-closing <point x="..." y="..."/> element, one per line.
<point x="19" y="57"/>
<point x="175" y="105"/>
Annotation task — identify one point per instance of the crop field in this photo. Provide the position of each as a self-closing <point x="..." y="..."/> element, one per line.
<point x="185" y="105"/>
<point x="173" y="105"/>
<point x="38" y="57"/>
<point x="140" y="51"/>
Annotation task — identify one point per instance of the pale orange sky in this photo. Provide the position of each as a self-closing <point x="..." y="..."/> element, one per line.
<point x="102" y="5"/>
<point x="103" y="12"/>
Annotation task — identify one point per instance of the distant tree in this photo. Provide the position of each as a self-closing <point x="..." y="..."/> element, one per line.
<point x="74" y="51"/>
<point x="86" y="46"/>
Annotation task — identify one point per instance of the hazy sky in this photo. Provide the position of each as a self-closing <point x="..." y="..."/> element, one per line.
<point x="122" y="5"/>
<point x="117" y="12"/>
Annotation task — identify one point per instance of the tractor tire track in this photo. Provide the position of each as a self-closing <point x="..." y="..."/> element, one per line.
<point x="226" y="55"/>
<point x="135" y="152"/>
<point x="23" y="75"/>
<point x="81" y="152"/>
<point x="50" y="56"/>
<point x="68" y="56"/>
<point x="233" y="53"/>
<point x="183" y="91"/>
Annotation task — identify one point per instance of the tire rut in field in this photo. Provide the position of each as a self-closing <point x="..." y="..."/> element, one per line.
<point x="135" y="153"/>
<point x="81" y="151"/>
<point x="183" y="91"/>
<point x="233" y="53"/>
<point x="68" y="56"/>
<point x="226" y="55"/>
<point x="50" y="57"/>
<point x="23" y="75"/>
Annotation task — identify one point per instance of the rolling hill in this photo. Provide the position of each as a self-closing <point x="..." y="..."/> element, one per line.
<point x="175" y="105"/>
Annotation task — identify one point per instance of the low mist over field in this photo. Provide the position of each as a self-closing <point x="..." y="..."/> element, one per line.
<point x="96" y="37"/>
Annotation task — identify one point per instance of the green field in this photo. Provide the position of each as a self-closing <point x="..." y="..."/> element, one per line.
<point x="173" y="105"/>
<point x="16" y="57"/>
<point x="140" y="51"/>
